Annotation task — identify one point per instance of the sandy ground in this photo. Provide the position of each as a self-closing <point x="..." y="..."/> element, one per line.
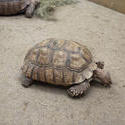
<point x="102" y="30"/>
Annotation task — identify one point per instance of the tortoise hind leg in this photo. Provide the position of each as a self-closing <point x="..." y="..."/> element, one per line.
<point x="27" y="82"/>
<point x="78" y="90"/>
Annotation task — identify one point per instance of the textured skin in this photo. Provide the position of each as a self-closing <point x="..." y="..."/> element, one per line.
<point x="11" y="7"/>
<point x="59" y="62"/>
<point x="78" y="90"/>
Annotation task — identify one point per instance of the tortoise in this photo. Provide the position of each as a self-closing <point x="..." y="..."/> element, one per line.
<point x="63" y="62"/>
<point x="12" y="7"/>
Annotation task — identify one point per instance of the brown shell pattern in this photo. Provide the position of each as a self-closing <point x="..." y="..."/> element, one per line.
<point x="10" y="7"/>
<point x="59" y="62"/>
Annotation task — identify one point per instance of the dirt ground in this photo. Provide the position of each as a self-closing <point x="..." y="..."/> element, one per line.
<point x="102" y="30"/>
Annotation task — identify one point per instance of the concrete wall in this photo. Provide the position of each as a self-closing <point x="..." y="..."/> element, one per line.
<point x="118" y="5"/>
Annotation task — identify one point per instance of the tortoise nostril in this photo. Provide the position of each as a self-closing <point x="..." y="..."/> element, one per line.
<point x="110" y="82"/>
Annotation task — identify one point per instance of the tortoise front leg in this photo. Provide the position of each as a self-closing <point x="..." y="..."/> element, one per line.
<point x="27" y="82"/>
<point x="31" y="8"/>
<point x="78" y="90"/>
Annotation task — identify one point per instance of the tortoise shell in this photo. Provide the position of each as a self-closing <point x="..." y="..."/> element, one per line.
<point x="59" y="62"/>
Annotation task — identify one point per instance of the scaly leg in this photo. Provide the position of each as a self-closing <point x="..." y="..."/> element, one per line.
<point x="31" y="8"/>
<point x="27" y="82"/>
<point x="78" y="90"/>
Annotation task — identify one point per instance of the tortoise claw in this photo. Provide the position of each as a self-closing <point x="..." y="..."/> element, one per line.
<point x="78" y="90"/>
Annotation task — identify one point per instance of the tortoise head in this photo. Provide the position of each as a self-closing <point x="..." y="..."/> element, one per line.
<point x="102" y="76"/>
